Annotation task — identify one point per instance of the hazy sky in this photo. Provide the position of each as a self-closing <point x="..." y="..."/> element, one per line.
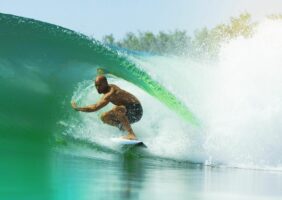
<point x="100" y="17"/>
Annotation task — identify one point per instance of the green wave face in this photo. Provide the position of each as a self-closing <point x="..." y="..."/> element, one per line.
<point x="41" y="63"/>
<point x="40" y="66"/>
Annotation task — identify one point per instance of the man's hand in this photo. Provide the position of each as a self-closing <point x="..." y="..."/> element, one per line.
<point x="74" y="106"/>
<point x="91" y="108"/>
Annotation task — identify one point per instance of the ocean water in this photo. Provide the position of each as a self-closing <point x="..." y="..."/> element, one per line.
<point x="212" y="128"/>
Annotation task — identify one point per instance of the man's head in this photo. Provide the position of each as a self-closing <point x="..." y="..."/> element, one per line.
<point x="101" y="84"/>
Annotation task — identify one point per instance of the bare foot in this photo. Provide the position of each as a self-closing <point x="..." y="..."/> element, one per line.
<point x="129" y="137"/>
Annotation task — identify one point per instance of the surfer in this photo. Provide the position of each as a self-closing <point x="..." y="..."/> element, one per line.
<point x="127" y="108"/>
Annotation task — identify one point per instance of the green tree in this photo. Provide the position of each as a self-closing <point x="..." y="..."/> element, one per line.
<point x="205" y="42"/>
<point x="275" y="17"/>
<point x="109" y="39"/>
<point x="130" y="41"/>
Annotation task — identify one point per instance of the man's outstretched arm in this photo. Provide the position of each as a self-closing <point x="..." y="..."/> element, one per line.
<point x="91" y="108"/>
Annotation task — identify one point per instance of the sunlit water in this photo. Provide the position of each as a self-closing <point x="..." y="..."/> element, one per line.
<point x="49" y="151"/>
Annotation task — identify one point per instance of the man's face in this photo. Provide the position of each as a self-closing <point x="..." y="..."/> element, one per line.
<point x="100" y="87"/>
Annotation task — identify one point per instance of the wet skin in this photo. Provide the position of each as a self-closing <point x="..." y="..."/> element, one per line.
<point x="117" y="96"/>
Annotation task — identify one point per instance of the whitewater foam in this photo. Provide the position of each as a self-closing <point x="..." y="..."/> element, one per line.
<point x="244" y="128"/>
<point x="238" y="99"/>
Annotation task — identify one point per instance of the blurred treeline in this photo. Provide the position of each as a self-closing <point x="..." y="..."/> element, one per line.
<point x="205" y="43"/>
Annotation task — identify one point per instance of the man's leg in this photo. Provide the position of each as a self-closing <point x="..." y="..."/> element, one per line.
<point x="109" y="118"/>
<point x="117" y="116"/>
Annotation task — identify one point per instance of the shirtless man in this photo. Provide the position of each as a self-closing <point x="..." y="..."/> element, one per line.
<point x="127" y="108"/>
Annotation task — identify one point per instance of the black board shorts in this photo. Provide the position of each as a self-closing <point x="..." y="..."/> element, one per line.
<point x="134" y="112"/>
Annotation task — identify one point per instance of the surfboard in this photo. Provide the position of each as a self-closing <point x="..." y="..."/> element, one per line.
<point x="126" y="142"/>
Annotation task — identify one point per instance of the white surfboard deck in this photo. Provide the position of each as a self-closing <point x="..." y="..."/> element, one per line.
<point x="122" y="141"/>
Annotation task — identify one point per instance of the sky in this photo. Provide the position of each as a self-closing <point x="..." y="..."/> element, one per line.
<point x="101" y="17"/>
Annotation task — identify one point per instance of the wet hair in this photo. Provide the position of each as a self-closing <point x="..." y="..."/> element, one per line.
<point x="101" y="79"/>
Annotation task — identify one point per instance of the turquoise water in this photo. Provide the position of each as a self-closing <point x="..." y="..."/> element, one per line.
<point x="75" y="177"/>
<point x="128" y="178"/>
<point x="48" y="151"/>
